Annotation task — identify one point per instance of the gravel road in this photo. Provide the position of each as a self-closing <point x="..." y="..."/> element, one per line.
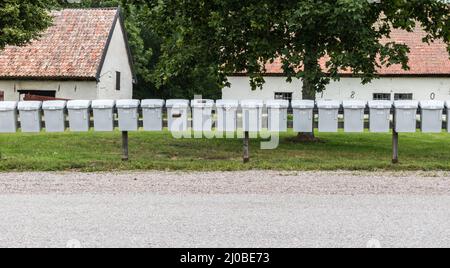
<point x="226" y="209"/>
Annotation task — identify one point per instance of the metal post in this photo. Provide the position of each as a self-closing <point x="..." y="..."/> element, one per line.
<point x="125" y="146"/>
<point x="246" y="145"/>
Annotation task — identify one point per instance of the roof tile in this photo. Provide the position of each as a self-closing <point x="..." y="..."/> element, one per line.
<point x="72" y="48"/>
<point x="424" y="59"/>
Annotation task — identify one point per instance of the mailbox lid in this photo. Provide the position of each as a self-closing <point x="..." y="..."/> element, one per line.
<point x="328" y="104"/>
<point x="432" y="105"/>
<point x="178" y="103"/>
<point x="8" y="105"/>
<point x="54" y="105"/>
<point x="406" y="104"/>
<point x="127" y="104"/>
<point x="103" y="104"/>
<point x="354" y="104"/>
<point x="280" y="104"/>
<point x="201" y="103"/>
<point x="227" y="103"/>
<point x="29" y="105"/>
<point x="152" y="103"/>
<point x="303" y="104"/>
<point x="380" y="104"/>
<point x="252" y="103"/>
<point x="78" y="104"/>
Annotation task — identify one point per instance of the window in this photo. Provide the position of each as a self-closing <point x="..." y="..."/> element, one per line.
<point x="283" y="96"/>
<point x="381" y="96"/>
<point x="2" y="95"/>
<point x="118" y="81"/>
<point x="403" y="96"/>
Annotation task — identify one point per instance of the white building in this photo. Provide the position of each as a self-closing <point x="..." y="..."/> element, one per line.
<point x="428" y="78"/>
<point x="84" y="55"/>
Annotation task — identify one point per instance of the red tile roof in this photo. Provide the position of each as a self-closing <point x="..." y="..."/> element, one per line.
<point x="424" y="59"/>
<point x="72" y="48"/>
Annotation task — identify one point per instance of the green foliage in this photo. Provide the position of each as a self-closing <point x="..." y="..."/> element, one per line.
<point x="23" y="20"/>
<point x="241" y="36"/>
<point x="187" y="47"/>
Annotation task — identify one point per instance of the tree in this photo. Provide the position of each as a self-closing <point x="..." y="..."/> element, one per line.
<point x="23" y="20"/>
<point x="315" y="39"/>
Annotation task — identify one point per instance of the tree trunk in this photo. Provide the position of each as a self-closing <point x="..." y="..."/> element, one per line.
<point x="308" y="90"/>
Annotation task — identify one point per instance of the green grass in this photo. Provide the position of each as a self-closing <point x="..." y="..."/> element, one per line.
<point x="159" y="151"/>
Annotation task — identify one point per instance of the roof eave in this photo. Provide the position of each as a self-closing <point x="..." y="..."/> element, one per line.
<point x="118" y="18"/>
<point x="445" y="75"/>
<point x="49" y="78"/>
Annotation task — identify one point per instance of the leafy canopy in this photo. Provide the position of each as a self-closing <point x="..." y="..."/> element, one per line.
<point x="22" y="20"/>
<point x="242" y="36"/>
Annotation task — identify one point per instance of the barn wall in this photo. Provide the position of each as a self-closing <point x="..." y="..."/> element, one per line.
<point x="347" y="88"/>
<point x="116" y="61"/>
<point x="63" y="89"/>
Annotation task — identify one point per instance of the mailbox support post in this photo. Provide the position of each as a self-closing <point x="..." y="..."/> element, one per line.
<point x="246" y="145"/>
<point x="125" y="146"/>
<point x="394" y="142"/>
<point x="394" y="147"/>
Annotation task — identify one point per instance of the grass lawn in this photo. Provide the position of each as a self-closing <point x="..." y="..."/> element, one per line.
<point x="159" y="151"/>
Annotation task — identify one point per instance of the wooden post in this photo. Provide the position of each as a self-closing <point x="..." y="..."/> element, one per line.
<point x="394" y="147"/>
<point x="125" y="146"/>
<point x="246" y="145"/>
<point x="394" y="143"/>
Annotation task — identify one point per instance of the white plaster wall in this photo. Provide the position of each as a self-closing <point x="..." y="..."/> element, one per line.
<point x="240" y="88"/>
<point x="63" y="89"/>
<point x="347" y="88"/>
<point x="116" y="61"/>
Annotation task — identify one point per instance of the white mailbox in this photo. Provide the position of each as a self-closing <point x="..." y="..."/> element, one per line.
<point x="252" y="115"/>
<point x="54" y="115"/>
<point x="103" y="115"/>
<point x="406" y="116"/>
<point x="277" y="115"/>
<point x="328" y="115"/>
<point x="30" y="116"/>
<point x="202" y="114"/>
<point x="303" y="115"/>
<point x="152" y="114"/>
<point x="354" y="115"/>
<point x="447" y="105"/>
<point x="177" y="115"/>
<point x="227" y="115"/>
<point x="431" y="116"/>
<point x="128" y="113"/>
<point x="8" y="116"/>
<point x="79" y="115"/>
<point x="380" y="116"/>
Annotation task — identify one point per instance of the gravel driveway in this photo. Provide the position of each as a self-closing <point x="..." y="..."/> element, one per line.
<point x="226" y="209"/>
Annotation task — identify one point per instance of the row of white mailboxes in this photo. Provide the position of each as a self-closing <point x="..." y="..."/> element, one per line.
<point x="30" y="116"/>
<point x="201" y="103"/>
